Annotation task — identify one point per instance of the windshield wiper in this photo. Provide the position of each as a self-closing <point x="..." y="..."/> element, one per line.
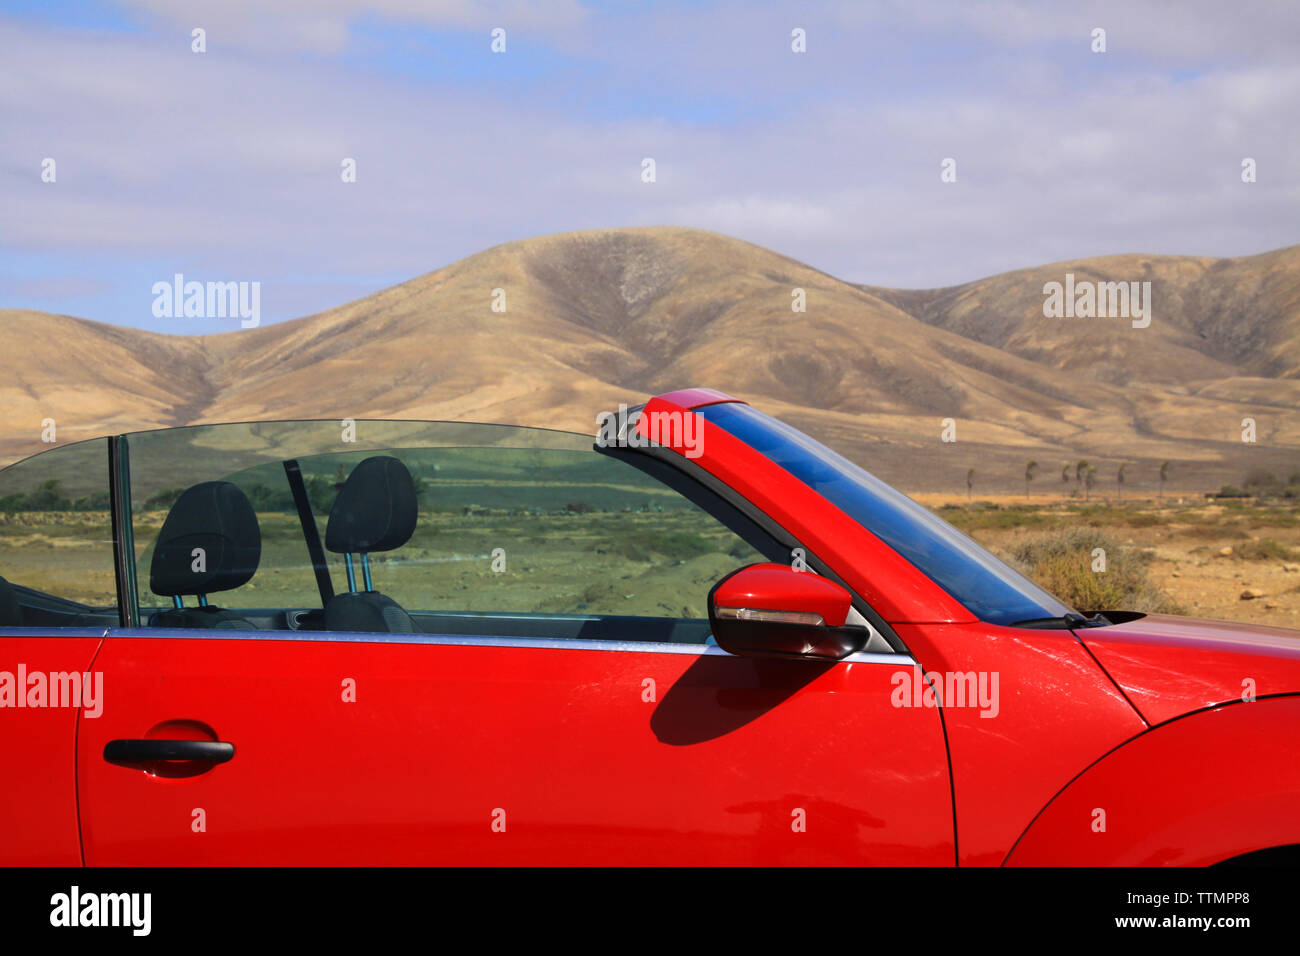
<point x="1070" y="620"/>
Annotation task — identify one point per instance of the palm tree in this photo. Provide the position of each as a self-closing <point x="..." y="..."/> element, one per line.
<point x="1065" y="471"/>
<point x="1030" y="468"/>
<point x="970" y="481"/>
<point x="1164" y="476"/>
<point x="1119" y="479"/>
<point x="1089" y="477"/>
<point x="1080" y="469"/>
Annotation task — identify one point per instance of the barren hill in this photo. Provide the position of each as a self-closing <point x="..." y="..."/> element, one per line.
<point x="595" y="318"/>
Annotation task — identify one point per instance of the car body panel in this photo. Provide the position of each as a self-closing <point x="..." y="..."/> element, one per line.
<point x="715" y="761"/>
<point x="1198" y="790"/>
<point x="1056" y="711"/>
<point x="1169" y="666"/>
<point x="38" y="800"/>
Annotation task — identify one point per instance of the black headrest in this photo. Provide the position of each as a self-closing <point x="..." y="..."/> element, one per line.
<point x="375" y="511"/>
<point x="216" y="517"/>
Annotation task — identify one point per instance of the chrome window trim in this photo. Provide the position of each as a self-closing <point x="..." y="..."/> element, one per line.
<point x="15" y="631"/>
<point x="546" y="643"/>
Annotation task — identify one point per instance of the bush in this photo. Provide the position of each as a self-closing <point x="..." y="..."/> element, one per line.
<point x="1261" y="481"/>
<point x="640" y="544"/>
<point x="1266" y="550"/>
<point x="1061" y="563"/>
<point x="1144" y="520"/>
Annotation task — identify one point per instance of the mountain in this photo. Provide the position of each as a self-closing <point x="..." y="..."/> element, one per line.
<point x="597" y="318"/>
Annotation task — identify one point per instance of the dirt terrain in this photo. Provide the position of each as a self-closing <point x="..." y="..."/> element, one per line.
<point x="1231" y="561"/>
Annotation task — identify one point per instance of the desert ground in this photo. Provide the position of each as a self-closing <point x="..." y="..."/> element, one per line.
<point x="1231" y="560"/>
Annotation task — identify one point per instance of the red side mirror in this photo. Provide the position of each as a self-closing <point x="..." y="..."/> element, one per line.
<point x="772" y="610"/>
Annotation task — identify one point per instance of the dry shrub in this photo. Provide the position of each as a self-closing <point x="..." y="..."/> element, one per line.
<point x="1062" y="561"/>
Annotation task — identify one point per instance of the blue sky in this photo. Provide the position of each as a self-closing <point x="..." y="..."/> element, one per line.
<point x="225" y="165"/>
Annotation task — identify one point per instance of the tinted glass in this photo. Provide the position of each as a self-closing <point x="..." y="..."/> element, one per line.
<point x="986" y="586"/>
<point x="56" y="542"/>
<point x="510" y="520"/>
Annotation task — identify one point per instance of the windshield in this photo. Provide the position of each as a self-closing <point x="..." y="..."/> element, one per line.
<point x="983" y="584"/>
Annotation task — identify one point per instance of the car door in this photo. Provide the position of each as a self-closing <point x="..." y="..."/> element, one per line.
<point x="472" y="750"/>
<point x="559" y="702"/>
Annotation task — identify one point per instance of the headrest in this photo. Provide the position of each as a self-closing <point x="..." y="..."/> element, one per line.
<point x="375" y="511"/>
<point x="214" y="516"/>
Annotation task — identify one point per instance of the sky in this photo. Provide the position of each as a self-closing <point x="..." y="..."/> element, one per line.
<point x="226" y="165"/>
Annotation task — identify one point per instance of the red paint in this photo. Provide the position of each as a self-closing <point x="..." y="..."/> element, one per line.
<point x="38" y="799"/>
<point x="1171" y="665"/>
<point x="1195" y="791"/>
<point x="697" y="397"/>
<point x="1057" y="712"/>
<point x="586" y="769"/>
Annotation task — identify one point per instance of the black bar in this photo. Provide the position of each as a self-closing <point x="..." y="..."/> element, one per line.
<point x="119" y="503"/>
<point x="309" y="530"/>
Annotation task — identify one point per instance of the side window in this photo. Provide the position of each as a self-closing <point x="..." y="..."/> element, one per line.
<point x="56" y="540"/>
<point x="553" y="532"/>
<point x="433" y="527"/>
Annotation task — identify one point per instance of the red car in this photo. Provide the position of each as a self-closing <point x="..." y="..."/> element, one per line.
<point x="704" y="639"/>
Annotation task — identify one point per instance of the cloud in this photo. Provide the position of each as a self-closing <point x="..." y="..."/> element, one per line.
<point x="226" y="165"/>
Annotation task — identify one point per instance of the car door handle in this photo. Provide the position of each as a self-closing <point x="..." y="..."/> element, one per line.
<point x="142" y="751"/>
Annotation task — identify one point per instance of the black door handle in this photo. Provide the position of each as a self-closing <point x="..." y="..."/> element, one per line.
<point x="142" y="751"/>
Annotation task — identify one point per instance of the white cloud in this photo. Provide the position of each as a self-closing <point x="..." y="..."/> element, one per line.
<point x="229" y="162"/>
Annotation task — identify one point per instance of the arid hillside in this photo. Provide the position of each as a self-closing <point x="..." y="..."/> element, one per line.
<point x="596" y="318"/>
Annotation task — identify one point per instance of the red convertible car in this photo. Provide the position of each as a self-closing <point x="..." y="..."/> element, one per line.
<point x="703" y="639"/>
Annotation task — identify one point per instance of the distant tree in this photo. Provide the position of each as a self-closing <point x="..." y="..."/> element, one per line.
<point x="1089" y="479"/>
<point x="48" y="497"/>
<point x="970" y="482"/>
<point x="1065" y="471"/>
<point x="162" y="500"/>
<point x="1119" y="480"/>
<point x="1080" y="469"/>
<point x="1164" y="476"/>
<point x="1030" y="467"/>
<point x="321" y="494"/>
<point x="95" y="502"/>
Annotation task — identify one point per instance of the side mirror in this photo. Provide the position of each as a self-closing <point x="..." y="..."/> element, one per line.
<point x="772" y="610"/>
